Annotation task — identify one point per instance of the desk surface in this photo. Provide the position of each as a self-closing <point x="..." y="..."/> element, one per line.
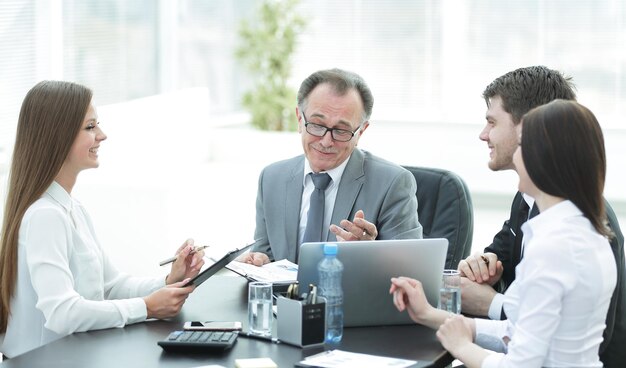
<point x="221" y="298"/>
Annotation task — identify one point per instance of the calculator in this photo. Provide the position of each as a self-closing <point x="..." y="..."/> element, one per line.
<point x="188" y="341"/>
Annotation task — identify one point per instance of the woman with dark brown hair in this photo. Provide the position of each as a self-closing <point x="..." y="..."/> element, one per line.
<point x="55" y="278"/>
<point x="558" y="302"/>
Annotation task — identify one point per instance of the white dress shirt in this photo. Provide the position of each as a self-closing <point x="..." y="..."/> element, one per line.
<point x="558" y="302"/>
<point x="65" y="281"/>
<point x="330" y="195"/>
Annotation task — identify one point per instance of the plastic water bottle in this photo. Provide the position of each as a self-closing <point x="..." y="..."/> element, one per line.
<point x="330" y="270"/>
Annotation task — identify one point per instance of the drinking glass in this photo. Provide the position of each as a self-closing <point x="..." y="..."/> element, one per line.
<point x="450" y="292"/>
<point x="260" y="308"/>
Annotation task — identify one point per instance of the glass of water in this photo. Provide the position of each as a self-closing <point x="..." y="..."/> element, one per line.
<point x="260" y="308"/>
<point x="450" y="292"/>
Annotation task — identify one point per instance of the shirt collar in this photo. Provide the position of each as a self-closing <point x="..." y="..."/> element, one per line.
<point x="546" y="219"/>
<point x="56" y="191"/>
<point x="335" y="174"/>
<point x="530" y="201"/>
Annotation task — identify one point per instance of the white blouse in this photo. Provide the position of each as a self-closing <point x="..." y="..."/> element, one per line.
<point x="558" y="302"/>
<point x="65" y="281"/>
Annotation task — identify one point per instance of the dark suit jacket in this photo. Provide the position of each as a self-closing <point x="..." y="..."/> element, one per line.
<point x="507" y="246"/>
<point x="383" y="190"/>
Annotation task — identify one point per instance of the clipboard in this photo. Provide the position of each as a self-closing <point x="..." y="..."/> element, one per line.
<point x="218" y="265"/>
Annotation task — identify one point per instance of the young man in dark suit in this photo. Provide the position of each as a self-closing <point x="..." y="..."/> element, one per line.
<point x="488" y="274"/>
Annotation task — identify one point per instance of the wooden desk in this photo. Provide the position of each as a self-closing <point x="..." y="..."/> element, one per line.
<point x="220" y="298"/>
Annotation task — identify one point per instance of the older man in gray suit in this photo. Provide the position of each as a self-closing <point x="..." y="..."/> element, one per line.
<point x="333" y="110"/>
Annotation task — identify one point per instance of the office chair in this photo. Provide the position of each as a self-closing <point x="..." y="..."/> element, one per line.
<point x="444" y="208"/>
<point x="612" y="352"/>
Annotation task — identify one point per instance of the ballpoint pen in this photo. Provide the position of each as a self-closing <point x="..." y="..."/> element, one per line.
<point x="172" y="259"/>
<point x="312" y="297"/>
<point x="259" y="337"/>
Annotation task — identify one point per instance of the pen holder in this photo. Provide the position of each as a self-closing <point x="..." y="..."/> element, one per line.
<point x="301" y="324"/>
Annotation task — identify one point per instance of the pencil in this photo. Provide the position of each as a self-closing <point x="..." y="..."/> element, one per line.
<point x="172" y="259"/>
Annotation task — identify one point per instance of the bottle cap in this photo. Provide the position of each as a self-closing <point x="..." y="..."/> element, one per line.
<point x="330" y="249"/>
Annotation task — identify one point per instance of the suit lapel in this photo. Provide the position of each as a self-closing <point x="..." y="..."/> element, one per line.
<point x="522" y="216"/>
<point x="349" y="187"/>
<point x="293" y="201"/>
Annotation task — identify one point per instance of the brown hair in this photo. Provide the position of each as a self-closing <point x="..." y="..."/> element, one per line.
<point x="50" y="119"/>
<point x="563" y="152"/>
<point x="526" y="88"/>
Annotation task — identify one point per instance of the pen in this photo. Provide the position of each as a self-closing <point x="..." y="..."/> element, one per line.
<point x="172" y="259"/>
<point x="259" y="337"/>
<point x="292" y="291"/>
<point x="485" y="259"/>
<point x="312" y="299"/>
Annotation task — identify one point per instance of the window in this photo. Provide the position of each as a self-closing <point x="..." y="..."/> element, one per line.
<point x="425" y="60"/>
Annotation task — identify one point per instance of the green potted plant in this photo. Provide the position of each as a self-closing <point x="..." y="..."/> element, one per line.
<point x="267" y="44"/>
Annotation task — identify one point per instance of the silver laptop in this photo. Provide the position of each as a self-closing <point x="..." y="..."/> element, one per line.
<point x="368" y="269"/>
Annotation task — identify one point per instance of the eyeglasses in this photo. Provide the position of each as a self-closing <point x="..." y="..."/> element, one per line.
<point x="339" y="135"/>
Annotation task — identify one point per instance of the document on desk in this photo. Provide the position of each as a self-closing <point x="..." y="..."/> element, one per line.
<point x="340" y="358"/>
<point x="279" y="272"/>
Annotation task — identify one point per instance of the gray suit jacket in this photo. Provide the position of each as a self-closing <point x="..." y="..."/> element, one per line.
<point x="383" y="190"/>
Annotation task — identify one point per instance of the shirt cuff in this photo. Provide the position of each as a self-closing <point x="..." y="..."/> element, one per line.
<point x="495" y="309"/>
<point x="492" y="360"/>
<point x="483" y="326"/>
<point x="132" y="310"/>
<point x="489" y="334"/>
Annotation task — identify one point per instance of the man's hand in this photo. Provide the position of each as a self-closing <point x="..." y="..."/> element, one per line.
<point x="358" y="229"/>
<point x="254" y="258"/>
<point x="482" y="268"/>
<point x="476" y="298"/>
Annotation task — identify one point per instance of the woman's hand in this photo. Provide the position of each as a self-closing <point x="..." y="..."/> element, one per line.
<point x="188" y="263"/>
<point x="409" y="294"/>
<point x="167" y="301"/>
<point x="456" y="335"/>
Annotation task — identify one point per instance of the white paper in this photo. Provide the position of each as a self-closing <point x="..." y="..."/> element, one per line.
<point x="340" y="358"/>
<point x="279" y="272"/>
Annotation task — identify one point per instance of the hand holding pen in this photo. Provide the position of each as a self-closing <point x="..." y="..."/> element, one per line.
<point x="172" y="259"/>
<point x="187" y="262"/>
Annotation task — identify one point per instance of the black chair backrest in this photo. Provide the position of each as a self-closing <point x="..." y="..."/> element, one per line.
<point x="444" y="208"/>
<point x="612" y="351"/>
